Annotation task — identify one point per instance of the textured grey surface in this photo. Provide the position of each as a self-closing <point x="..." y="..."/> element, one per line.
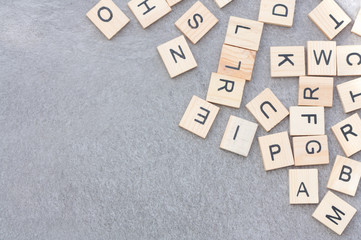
<point x="90" y="143"/>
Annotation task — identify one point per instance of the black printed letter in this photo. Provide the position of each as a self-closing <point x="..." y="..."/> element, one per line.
<point x="285" y="14"/>
<point x="147" y="6"/>
<point x="348" y="173"/>
<point x="181" y="55"/>
<point x="349" y="131"/>
<point x="195" y="20"/>
<point x="274" y="152"/>
<point x="312" y="151"/>
<point x="110" y="14"/>
<point x="226" y="84"/>
<point x="202" y="116"/>
<point x="267" y="103"/>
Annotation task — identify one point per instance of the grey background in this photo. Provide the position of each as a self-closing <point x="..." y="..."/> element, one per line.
<point x="90" y="146"/>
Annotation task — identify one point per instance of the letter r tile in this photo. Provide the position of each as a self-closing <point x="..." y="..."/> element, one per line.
<point x="199" y="117"/>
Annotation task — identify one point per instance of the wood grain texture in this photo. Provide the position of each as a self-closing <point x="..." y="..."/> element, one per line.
<point x="321" y="58"/>
<point x="310" y="150"/>
<point x="349" y="60"/>
<point x="315" y="91"/>
<point x="277" y="12"/>
<point x="307" y="121"/>
<point x="288" y="61"/>
<point x="350" y="95"/>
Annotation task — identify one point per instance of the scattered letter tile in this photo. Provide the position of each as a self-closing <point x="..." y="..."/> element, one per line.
<point x="177" y="56"/>
<point x="348" y="134"/>
<point x="303" y="186"/>
<point x="334" y="213"/>
<point x="349" y="60"/>
<point x="315" y="91"/>
<point x="345" y="176"/>
<point x="307" y="121"/>
<point x="171" y="3"/>
<point x="288" y="61"/>
<point x="239" y="136"/>
<point x="196" y="22"/>
<point x="310" y="150"/>
<point x="267" y="109"/>
<point x="321" y="58"/>
<point x="277" y="12"/>
<point x="225" y="90"/>
<point x="199" y="117"/>
<point x="350" y="95"/>
<point x="356" y="29"/>
<point x="108" y="18"/>
<point x="222" y="3"/>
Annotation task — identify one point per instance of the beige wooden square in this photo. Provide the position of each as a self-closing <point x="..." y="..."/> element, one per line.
<point x="222" y="3"/>
<point x="288" y="61"/>
<point x="171" y="3"/>
<point x="277" y="12"/>
<point x="348" y="134"/>
<point x="345" y="176"/>
<point x="108" y="18"/>
<point x="349" y="60"/>
<point x="321" y="58"/>
<point x="244" y="33"/>
<point x="334" y="213"/>
<point x="177" y="56"/>
<point x="196" y="22"/>
<point x="329" y="18"/>
<point x="303" y="186"/>
<point x="239" y="136"/>
<point x="307" y="121"/>
<point x="225" y="90"/>
<point x="315" y="91"/>
<point x="356" y="29"/>
<point x="310" y="150"/>
<point x="267" y="109"/>
<point x="276" y="151"/>
<point x="199" y="117"/>
<point x="350" y="95"/>
<point x="149" y="11"/>
<point x="236" y="62"/>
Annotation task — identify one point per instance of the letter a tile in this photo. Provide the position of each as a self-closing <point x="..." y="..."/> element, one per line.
<point x="199" y="117"/>
<point x="345" y="176"/>
<point x="108" y="18"/>
<point x="277" y="12"/>
<point x="334" y="213"/>
<point x="303" y="186"/>
<point x="177" y="56"/>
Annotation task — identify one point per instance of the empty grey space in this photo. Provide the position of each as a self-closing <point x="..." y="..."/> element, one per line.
<point x="90" y="146"/>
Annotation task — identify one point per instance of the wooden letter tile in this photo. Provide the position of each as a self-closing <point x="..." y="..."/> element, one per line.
<point x="345" y="176"/>
<point x="171" y="3"/>
<point x="348" y="134"/>
<point x="334" y="213"/>
<point x="196" y="22"/>
<point x="329" y="18"/>
<point x="149" y="11"/>
<point x="225" y="90"/>
<point x="177" y="56"/>
<point x="288" y="61"/>
<point x="239" y="136"/>
<point x="244" y="33"/>
<point x="108" y="18"/>
<point x="315" y="91"/>
<point x="349" y="60"/>
<point x="236" y="62"/>
<point x="303" y="186"/>
<point x="199" y="117"/>
<point x="350" y="95"/>
<point x="310" y="150"/>
<point x="267" y="109"/>
<point x="276" y="151"/>
<point x="321" y="58"/>
<point x="222" y="3"/>
<point x="356" y="29"/>
<point x="277" y="12"/>
<point x="307" y="121"/>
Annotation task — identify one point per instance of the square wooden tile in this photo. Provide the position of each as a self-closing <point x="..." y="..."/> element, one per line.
<point x="276" y="151"/>
<point x="356" y="29"/>
<point x="288" y="61"/>
<point x="310" y="150"/>
<point x="177" y="56"/>
<point x="225" y="90"/>
<point x="303" y="186"/>
<point x="334" y="213"/>
<point x="239" y="135"/>
<point x="350" y="95"/>
<point x="348" y="134"/>
<point x="345" y="176"/>
<point x="244" y="33"/>
<point x="222" y="3"/>
<point x="329" y="18"/>
<point x="305" y="121"/>
<point x="171" y="3"/>
<point x="108" y="18"/>
<point x="315" y="91"/>
<point x="196" y="22"/>
<point x="236" y="62"/>
<point x="349" y="60"/>
<point x="321" y="58"/>
<point x="277" y="12"/>
<point x="199" y="117"/>
<point x="149" y="11"/>
<point x="267" y="109"/>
